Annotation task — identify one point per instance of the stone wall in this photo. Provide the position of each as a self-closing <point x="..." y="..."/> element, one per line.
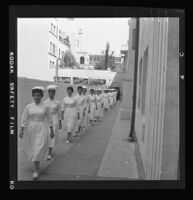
<point x="127" y="83"/>
<point x="157" y="89"/>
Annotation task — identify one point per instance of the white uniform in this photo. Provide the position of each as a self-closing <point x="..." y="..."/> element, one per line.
<point x="36" y="119"/>
<point x="99" y="100"/>
<point x="69" y="105"/>
<point x="106" y="100"/>
<point x="86" y="116"/>
<point x="55" y="109"/>
<point x="111" y="99"/>
<point x="92" y="106"/>
<point x="115" y="97"/>
<point x="80" y="99"/>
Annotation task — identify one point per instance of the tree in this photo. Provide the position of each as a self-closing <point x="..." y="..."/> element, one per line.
<point x="100" y="65"/>
<point x="68" y="60"/>
<point x="107" y="55"/>
<point x="112" y="61"/>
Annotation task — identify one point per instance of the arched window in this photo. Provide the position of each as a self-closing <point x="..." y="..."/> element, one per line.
<point x="81" y="60"/>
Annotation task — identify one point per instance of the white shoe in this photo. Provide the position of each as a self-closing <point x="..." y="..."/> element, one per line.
<point x="49" y="157"/>
<point x="35" y="175"/>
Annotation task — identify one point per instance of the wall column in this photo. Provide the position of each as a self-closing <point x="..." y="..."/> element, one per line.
<point x="127" y="98"/>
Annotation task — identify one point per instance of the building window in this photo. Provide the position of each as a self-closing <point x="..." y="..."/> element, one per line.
<point x="54" y="49"/>
<point x="51" y="27"/>
<point x="81" y="60"/>
<point x="144" y="81"/>
<point x="51" y="47"/>
<point x="51" y="65"/>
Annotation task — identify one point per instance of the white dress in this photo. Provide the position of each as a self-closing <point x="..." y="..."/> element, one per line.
<point x="55" y="109"/>
<point x="115" y="97"/>
<point x="111" y="99"/>
<point x="80" y="99"/>
<point x="69" y="105"/>
<point x="92" y="105"/>
<point x="99" y="111"/>
<point x="86" y="116"/>
<point x="106" y="100"/>
<point x="36" y="119"/>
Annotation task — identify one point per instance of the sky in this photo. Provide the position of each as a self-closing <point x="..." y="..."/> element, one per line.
<point x="32" y="58"/>
<point x="98" y="31"/>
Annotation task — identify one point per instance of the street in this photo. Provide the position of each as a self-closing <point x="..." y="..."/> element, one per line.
<point x="103" y="153"/>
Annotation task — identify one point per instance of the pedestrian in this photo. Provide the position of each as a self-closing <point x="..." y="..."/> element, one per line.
<point x="111" y="98"/>
<point x="69" y="114"/>
<point x="99" y="111"/>
<point x="92" y="106"/>
<point x="115" y="96"/>
<point x="36" y="122"/>
<point x="80" y="99"/>
<point x="86" y="108"/>
<point x="55" y="109"/>
<point x="105" y="100"/>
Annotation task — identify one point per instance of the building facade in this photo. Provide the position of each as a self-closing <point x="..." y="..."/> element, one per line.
<point x="156" y="122"/>
<point x="72" y="76"/>
<point x="41" y="43"/>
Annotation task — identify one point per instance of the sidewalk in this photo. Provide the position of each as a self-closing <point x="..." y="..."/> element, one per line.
<point x="119" y="158"/>
<point x="103" y="153"/>
<point x="25" y="166"/>
<point x="83" y="159"/>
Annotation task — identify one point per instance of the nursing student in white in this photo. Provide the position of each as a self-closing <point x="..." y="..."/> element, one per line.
<point x="92" y="106"/>
<point x="55" y="109"/>
<point x="99" y="111"/>
<point x="36" y="128"/>
<point x="106" y="100"/>
<point x="111" y="98"/>
<point x="69" y="113"/>
<point x="80" y="99"/>
<point x="86" y="109"/>
<point x="115" y="96"/>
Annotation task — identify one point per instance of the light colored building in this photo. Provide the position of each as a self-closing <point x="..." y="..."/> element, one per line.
<point x="153" y="67"/>
<point x="41" y="41"/>
<point x="67" y="75"/>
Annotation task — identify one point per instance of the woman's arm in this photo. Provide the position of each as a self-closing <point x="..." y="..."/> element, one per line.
<point x="60" y="115"/>
<point x="24" y="120"/>
<point x="50" y="122"/>
<point x="62" y="109"/>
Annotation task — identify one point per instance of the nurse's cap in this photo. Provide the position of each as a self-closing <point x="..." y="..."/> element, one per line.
<point x="38" y="88"/>
<point x="84" y="87"/>
<point x="52" y="87"/>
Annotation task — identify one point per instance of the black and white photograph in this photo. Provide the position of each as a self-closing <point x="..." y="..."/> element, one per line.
<point x="96" y="98"/>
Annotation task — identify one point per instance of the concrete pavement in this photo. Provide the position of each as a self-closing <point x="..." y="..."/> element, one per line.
<point x="103" y="153"/>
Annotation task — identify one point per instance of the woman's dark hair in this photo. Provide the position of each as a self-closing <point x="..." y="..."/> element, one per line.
<point x="70" y="88"/>
<point x="91" y="90"/>
<point x="37" y="91"/>
<point x="79" y="87"/>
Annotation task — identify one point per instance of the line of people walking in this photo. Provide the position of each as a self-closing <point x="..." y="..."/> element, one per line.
<point x="74" y="114"/>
